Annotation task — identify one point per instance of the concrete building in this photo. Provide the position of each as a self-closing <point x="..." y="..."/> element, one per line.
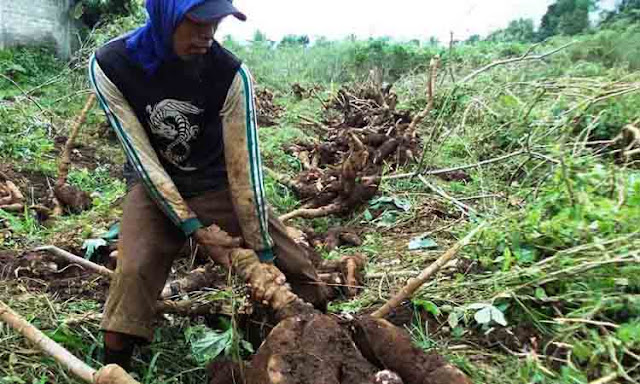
<point x="37" y="22"/>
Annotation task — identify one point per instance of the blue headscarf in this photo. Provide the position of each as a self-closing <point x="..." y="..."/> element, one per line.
<point x="152" y="44"/>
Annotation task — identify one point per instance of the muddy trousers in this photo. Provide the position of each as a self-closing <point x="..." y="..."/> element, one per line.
<point x="149" y="242"/>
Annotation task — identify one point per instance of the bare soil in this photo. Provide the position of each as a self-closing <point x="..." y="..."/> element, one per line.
<point x="43" y="272"/>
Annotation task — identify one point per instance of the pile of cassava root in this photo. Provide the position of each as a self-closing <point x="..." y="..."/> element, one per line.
<point x="363" y="133"/>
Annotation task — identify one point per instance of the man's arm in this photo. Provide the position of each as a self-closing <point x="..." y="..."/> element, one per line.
<point x="139" y="151"/>
<point x="244" y="166"/>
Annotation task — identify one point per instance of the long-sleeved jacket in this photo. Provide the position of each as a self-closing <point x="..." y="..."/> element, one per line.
<point x="186" y="132"/>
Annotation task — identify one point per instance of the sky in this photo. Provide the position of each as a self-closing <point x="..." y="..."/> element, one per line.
<point x="401" y="19"/>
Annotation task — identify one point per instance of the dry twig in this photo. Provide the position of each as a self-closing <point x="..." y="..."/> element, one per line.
<point x="465" y="209"/>
<point x="447" y="170"/>
<point x="525" y="57"/>
<point x="431" y="85"/>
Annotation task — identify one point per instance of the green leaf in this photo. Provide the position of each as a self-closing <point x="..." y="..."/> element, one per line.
<point x="525" y="255"/>
<point x="428" y="306"/>
<point x="14" y="67"/>
<point x="498" y="316"/>
<point x="488" y="313"/>
<point x="508" y="101"/>
<point x="247" y="346"/>
<point x="78" y="11"/>
<point x="207" y="344"/>
<point x="457" y="332"/>
<point x="399" y="203"/>
<point x="387" y="219"/>
<point x="453" y="319"/>
<point x="629" y="333"/>
<point x="581" y="351"/>
<point x="508" y="259"/>
<point x="483" y="316"/>
<point x="420" y="242"/>
<point x="446" y="308"/>
<point x="403" y="204"/>
<point x="572" y="375"/>
<point x="540" y="293"/>
<point x="91" y="246"/>
<point x="367" y="215"/>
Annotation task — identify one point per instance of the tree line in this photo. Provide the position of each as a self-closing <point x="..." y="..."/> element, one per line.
<point x="568" y="18"/>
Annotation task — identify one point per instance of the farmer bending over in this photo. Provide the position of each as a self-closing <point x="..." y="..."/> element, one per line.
<point x="183" y="109"/>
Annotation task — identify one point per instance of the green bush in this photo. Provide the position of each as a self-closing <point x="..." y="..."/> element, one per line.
<point x="616" y="46"/>
<point x="330" y="61"/>
<point x="27" y="65"/>
<point x="614" y="115"/>
<point x="91" y="12"/>
<point x="560" y="218"/>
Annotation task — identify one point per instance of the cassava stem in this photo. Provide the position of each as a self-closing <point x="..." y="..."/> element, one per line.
<point x="65" y="158"/>
<point x="413" y="284"/>
<point x="110" y="374"/>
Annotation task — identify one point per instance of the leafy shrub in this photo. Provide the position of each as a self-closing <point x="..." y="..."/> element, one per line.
<point x="559" y="219"/>
<point x="28" y="65"/>
<point x="93" y="11"/>
<point x="615" y="46"/>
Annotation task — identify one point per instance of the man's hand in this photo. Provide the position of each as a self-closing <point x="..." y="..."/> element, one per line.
<point x="263" y="279"/>
<point x="217" y="244"/>
<point x="267" y="283"/>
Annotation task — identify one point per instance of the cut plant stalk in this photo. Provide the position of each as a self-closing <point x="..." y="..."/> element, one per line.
<point x="110" y="374"/>
<point x="184" y="307"/>
<point x="69" y="196"/>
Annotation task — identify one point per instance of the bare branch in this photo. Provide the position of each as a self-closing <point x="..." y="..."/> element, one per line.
<point x="465" y="209"/>
<point x="524" y="57"/>
<point x="446" y="170"/>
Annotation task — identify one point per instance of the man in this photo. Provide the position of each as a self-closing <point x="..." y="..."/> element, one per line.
<point x="183" y="109"/>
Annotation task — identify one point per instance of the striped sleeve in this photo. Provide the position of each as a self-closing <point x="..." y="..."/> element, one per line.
<point x="139" y="151"/>
<point x="244" y="165"/>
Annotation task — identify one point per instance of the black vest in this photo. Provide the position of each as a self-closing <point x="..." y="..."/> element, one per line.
<point x="179" y="108"/>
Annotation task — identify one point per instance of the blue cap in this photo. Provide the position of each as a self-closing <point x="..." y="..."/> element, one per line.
<point x="212" y="10"/>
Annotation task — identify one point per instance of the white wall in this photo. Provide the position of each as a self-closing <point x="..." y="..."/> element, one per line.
<point x="36" y="21"/>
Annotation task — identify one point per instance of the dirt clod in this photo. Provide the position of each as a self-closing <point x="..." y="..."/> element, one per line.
<point x="74" y="199"/>
<point x="309" y="349"/>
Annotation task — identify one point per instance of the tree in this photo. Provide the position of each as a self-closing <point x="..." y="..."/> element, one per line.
<point x="566" y="17"/>
<point x="92" y="11"/>
<point x="627" y="10"/>
<point x="521" y="30"/>
<point x="629" y="7"/>
<point x="293" y="40"/>
<point x="473" y="39"/>
<point x="259" y="37"/>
